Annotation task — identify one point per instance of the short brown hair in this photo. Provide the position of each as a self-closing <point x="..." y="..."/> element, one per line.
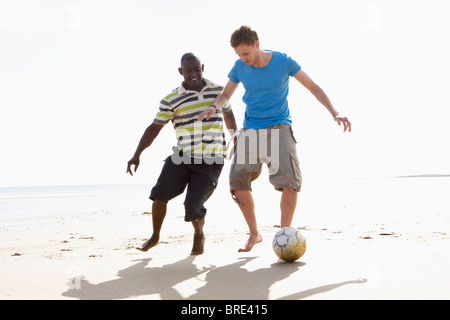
<point x="243" y="35"/>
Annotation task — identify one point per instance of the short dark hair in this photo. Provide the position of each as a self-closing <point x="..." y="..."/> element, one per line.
<point x="188" y="56"/>
<point x="243" y="35"/>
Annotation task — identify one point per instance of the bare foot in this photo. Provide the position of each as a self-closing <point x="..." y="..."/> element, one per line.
<point x="150" y="243"/>
<point x="199" y="245"/>
<point x="251" y="242"/>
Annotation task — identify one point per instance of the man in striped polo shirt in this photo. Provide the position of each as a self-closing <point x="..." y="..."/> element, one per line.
<point x="197" y="160"/>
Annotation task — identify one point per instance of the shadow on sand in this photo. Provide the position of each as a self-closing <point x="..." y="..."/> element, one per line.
<point x="227" y="282"/>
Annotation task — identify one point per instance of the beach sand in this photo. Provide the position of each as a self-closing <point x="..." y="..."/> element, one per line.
<point x="367" y="239"/>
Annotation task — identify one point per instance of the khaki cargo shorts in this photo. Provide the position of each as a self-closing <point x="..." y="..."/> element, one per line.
<point x="275" y="146"/>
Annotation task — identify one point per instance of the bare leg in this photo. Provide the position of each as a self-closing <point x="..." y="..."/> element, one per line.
<point x="159" y="210"/>
<point x="199" y="237"/>
<point x="287" y="205"/>
<point x="247" y="207"/>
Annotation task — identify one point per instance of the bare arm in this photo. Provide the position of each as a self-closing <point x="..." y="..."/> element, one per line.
<point x="230" y="122"/>
<point x="220" y="101"/>
<point x="146" y="140"/>
<point x="320" y="95"/>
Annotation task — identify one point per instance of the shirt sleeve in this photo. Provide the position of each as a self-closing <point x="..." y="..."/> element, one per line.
<point x="165" y="113"/>
<point x="292" y="67"/>
<point x="234" y="74"/>
<point x="226" y="107"/>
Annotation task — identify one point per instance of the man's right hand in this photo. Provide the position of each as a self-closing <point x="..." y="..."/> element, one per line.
<point x="134" y="161"/>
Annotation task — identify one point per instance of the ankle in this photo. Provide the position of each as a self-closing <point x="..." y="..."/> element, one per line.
<point x="254" y="234"/>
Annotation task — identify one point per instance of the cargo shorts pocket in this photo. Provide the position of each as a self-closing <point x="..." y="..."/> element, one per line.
<point x="297" y="174"/>
<point x="292" y="134"/>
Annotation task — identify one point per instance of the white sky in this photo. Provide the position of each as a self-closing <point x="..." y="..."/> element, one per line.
<point x="81" y="80"/>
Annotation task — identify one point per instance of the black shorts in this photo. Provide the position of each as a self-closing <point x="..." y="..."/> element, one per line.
<point x="200" y="179"/>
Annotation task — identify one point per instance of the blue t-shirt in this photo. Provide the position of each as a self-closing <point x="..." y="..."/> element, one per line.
<point x="266" y="90"/>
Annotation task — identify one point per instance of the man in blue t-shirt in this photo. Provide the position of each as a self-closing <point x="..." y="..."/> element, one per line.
<point x="267" y="125"/>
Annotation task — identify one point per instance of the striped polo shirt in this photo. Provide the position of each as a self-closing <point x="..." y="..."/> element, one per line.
<point x="204" y="139"/>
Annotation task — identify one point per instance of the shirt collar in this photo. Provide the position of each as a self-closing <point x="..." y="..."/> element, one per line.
<point x="182" y="89"/>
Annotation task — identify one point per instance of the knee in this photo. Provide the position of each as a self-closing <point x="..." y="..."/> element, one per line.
<point x="235" y="198"/>
<point x="159" y="204"/>
<point x="242" y="197"/>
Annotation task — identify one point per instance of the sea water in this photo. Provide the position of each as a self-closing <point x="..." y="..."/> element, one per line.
<point x="321" y="203"/>
<point x="36" y="207"/>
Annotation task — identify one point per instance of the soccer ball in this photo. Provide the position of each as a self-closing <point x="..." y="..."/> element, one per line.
<point x="289" y="244"/>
